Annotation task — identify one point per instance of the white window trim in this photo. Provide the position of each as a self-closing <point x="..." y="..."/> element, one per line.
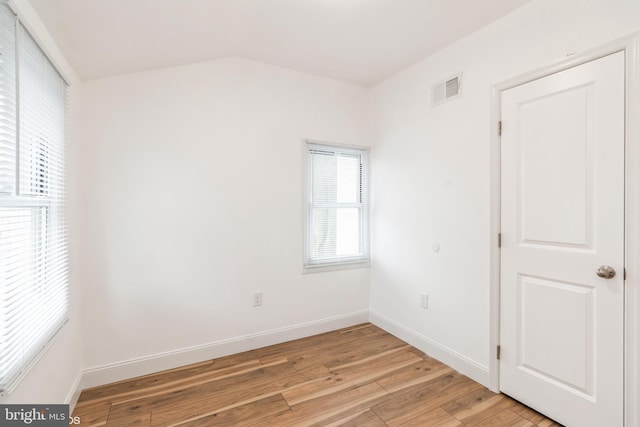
<point x="342" y="263"/>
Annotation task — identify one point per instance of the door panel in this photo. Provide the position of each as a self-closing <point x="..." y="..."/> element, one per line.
<point x="568" y="309"/>
<point x="562" y="217"/>
<point x="554" y="164"/>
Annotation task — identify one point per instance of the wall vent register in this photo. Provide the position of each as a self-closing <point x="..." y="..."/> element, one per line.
<point x="446" y="90"/>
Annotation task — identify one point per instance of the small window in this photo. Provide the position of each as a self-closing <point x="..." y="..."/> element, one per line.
<point x="337" y="211"/>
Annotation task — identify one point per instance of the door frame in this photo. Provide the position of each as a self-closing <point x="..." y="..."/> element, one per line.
<point x="630" y="45"/>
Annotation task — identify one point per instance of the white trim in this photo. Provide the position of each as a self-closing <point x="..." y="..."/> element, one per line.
<point x="494" y="251"/>
<point x="632" y="232"/>
<point x="74" y="392"/>
<point x="336" y="266"/>
<point x="33" y="361"/>
<point x="36" y="28"/>
<point x="356" y="148"/>
<point x="631" y="46"/>
<point x="132" y="368"/>
<point x="449" y="357"/>
<point x="338" y="263"/>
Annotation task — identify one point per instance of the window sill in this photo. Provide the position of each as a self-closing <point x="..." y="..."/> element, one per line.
<point x="335" y="266"/>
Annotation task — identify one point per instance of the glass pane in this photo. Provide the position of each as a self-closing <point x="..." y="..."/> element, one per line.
<point x="7" y="101"/>
<point x="348" y="171"/>
<point x="335" y="232"/>
<point x="323" y="233"/>
<point x="336" y="178"/>
<point x="348" y="231"/>
<point x="19" y="242"/>
<point x="41" y="122"/>
<point x="324" y="177"/>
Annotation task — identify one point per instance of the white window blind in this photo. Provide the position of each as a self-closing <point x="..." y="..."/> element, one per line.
<point x="33" y="245"/>
<point x="337" y="231"/>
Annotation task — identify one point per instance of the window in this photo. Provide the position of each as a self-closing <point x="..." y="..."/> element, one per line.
<point x="33" y="249"/>
<point x="336" y="219"/>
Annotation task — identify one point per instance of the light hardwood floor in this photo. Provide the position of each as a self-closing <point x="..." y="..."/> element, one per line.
<point x="358" y="376"/>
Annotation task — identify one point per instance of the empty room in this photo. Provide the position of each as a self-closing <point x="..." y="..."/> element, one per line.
<point x="320" y="212"/>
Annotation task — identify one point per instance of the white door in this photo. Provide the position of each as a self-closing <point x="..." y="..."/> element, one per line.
<point x="562" y="217"/>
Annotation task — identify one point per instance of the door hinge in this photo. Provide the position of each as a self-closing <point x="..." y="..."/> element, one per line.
<point x="624" y="274"/>
<point x="499" y="240"/>
<point x="498" y="352"/>
<point x="500" y="127"/>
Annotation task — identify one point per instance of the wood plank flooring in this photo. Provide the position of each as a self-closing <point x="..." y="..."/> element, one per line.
<point x="358" y="376"/>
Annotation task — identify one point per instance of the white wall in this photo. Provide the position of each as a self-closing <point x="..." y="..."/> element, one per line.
<point x="186" y="196"/>
<point x="55" y="377"/>
<point x="193" y="181"/>
<point x="431" y="172"/>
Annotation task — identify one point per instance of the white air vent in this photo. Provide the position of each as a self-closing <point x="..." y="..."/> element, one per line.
<point x="446" y="90"/>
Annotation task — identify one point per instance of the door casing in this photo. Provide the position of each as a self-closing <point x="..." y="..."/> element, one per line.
<point x="630" y="45"/>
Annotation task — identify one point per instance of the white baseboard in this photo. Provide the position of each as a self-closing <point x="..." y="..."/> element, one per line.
<point x="119" y="371"/>
<point x="434" y="349"/>
<point x="74" y="392"/>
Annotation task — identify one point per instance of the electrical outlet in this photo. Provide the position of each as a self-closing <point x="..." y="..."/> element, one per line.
<point x="424" y="300"/>
<point x="257" y="299"/>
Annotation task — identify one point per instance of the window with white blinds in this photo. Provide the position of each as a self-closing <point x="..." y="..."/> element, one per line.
<point x="33" y="243"/>
<point x="336" y="220"/>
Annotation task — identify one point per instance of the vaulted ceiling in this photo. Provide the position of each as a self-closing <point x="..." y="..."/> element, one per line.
<point x="358" y="41"/>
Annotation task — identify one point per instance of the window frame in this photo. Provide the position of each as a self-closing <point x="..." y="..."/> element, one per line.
<point x="345" y="262"/>
<point x="37" y="187"/>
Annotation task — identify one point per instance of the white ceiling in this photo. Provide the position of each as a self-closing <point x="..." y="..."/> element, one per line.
<point x="358" y="41"/>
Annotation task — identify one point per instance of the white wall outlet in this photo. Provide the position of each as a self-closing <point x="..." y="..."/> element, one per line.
<point x="257" y="299"/>
<point x="424" y="300"/>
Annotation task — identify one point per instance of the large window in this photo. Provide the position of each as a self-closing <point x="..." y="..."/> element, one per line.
<point x="33" y="248"/>
<point x="336" y="219"/>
